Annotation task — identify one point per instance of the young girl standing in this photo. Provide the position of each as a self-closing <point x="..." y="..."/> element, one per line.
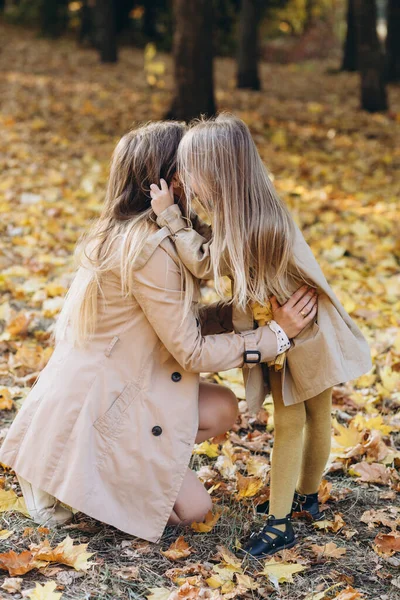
<point x="255" y="240"/>
<point x="109" y="426"/>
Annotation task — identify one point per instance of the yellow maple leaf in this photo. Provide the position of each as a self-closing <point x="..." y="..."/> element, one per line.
<point x="390" y="380"/>
<point x="44" y="592"/>
<point x="10" y="501"/>
<point x="281" y="572"/>
<point x="347" y="437"/>
<point x="210" y="450"/>
<point x="377" y="423"/>
<point x="248" y="486"/>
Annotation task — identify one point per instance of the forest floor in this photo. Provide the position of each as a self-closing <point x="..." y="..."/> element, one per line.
<point x="335" y="166"/>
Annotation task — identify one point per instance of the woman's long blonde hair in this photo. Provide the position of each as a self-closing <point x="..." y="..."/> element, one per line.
<point x="142" y="156"/>
<point x="218" y="163"/>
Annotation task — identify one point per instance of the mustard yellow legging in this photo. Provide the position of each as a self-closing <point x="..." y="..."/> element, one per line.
<point x="301" y="446"/>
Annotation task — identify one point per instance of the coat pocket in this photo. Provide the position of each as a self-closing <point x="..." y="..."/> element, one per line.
<point x="109" y="423"/>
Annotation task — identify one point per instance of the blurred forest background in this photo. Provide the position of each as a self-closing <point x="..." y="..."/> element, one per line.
<point x="317" y="81"/>
<point x="197" y="30"/>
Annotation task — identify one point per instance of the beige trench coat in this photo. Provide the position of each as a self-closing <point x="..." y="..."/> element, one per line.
<point x="109" y="428"/>
<point x="329" y="351"/>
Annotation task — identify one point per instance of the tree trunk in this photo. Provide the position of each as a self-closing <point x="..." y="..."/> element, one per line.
<point x="349" y="62"/>
<point x="149" y="20"/>
<point x="193" y="60"/>
<point x="86" y="28"/>
<point x="393" y="41"/>
<point x="53" y="17"/>
<point x="248" y="49"/>
<point x="309" y="10"/>
<point x="370" y="57"/>
<point x="106" y="31"/>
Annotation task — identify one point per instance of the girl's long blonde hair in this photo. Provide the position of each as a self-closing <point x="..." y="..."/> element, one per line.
<point x="218" y="163"/>
<point x="142" y="156"/>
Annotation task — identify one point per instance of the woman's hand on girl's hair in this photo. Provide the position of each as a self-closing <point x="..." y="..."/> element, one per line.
<point x="162" y="196"/>
<point x="289" y="316"/>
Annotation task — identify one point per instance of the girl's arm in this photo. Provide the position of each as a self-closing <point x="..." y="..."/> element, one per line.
<point x="194" y="249"/>
<point x="157" y="288"/>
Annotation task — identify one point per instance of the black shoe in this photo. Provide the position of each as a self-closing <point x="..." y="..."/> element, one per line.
<point x="301" y="503"/>
<point x="261" y="544"/>
<point x="307" y="503"/>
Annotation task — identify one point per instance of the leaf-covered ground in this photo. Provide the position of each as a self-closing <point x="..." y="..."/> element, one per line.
<point x="337" y="168"/>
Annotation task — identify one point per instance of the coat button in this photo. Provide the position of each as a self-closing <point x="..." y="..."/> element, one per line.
<point x="176" y="376"/>
<point x="156" y="430"/>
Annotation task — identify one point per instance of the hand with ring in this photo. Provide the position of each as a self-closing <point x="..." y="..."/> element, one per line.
<point x="297" y="312"/>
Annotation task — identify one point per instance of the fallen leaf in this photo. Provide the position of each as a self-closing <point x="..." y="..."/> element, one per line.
<point x="246" y="581"/>
<point x="258" y="466"/>
<point x="129" y="573"/>
<point x="10" y="501"/>
<point x="280" y="572"/>
<point x="178" y="549"/>
<point x="159" y="594"/>
<point x="45" y="592"/>
<point x="12" y="584"/>
<point x="248" y="486"/>
<point x="330" y="550"/>
<point x="5" y="534"/>
<point x="228" y="558"/>
<point x="334" y="525"/>
<point x="6" y="401"/>
<point x="347" y="437"/>
<point x="64" y="553"/>
<point x="210" y="450"/>
<point x="387" y="543"/>
<point x="207" y="525"/>
<point x="19" y="564"/>
<point x="324" y="492"/>
<point x="379" y="516"/>
<point x="349" y="594"/>
<point x="371" y="473"/>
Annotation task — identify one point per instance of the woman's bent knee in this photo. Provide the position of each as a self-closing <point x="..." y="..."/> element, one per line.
<point x="229" y="407"/>
<point x="187" y="514"/>
<point x="193" y="502"/>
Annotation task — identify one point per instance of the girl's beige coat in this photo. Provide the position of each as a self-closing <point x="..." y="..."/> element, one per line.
<point x="109" y="429"/>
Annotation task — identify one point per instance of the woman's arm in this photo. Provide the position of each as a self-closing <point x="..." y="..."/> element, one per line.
<point x="157" y="288"/>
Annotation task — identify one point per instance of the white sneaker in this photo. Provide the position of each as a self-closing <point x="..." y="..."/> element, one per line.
<point x="43" y="508"/>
